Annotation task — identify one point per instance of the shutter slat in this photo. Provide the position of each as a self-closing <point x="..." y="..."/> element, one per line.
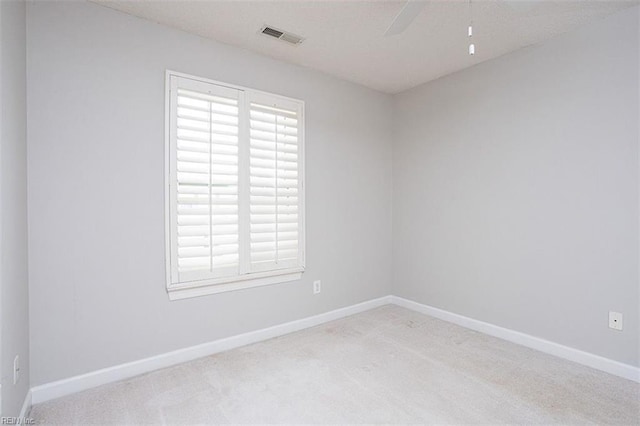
<point x="204" y="118"/>
<point x="258" y="228"/>
<point x="204" y="188"/>
<point x="184" y="105"/>
<point x="271" y="236"/>
<point x="192" y="94"/>
<point x="225" y="260"/>
<point x="198" y="210"/>
<point x="262" y="200"/>
<point x="269" y="163"/>
<point x="192" y="264"/>
<point x="199" y="241"/>
<point x="216" y="139"/>
<point x="269" y="149"/>
<point x="193" y="200"/>
<point x="203" y="134"/>
<point x="271" y="209"/>
<point x="258" y="257"/>
<point x="260" y="138"/>
<point x="262" y="169"/>
<point x="265" y="110"/>
<point x="262" y="127"/>
<point x="203" y="231"/>
<point x="269" y="118"/>
<point x="203" y="252"/>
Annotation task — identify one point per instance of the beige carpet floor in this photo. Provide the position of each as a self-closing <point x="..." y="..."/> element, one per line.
<point x="387" y="365"/>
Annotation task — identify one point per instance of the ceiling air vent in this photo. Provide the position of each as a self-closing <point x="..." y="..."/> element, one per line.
<point x="281" y="35"/>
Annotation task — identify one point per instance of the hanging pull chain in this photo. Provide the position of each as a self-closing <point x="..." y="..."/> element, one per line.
<point x="472" y="47"/>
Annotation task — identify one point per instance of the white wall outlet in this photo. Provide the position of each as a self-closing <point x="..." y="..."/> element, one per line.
<point x="16" y="369"/>
<point x="615" y="320"/>
<point x="317" y="287"/>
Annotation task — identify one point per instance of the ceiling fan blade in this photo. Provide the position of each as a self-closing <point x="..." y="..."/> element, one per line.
<point x="406" y="16"/>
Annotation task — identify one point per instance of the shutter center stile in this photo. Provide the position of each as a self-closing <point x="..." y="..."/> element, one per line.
<point x="276" y="187"/>
<point x="211" y="242"/>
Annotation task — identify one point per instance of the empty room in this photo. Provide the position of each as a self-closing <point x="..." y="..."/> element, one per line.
<point x="319" y="212"/>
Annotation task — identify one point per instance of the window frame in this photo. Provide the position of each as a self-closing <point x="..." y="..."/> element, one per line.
<point x="244" y="279"/>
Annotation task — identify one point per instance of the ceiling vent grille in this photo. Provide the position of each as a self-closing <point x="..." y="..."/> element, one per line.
<point x="281" y="35"/>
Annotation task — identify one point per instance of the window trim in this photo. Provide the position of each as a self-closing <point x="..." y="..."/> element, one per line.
<point x="247" y="280"/>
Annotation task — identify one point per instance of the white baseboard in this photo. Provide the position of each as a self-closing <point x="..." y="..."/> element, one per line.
<point x="26" y="406"/>
<point x="585" y="358"/>
<point x="82" y="382"/>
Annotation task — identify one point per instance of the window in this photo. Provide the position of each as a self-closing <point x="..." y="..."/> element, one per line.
<point x="235" y="188"/>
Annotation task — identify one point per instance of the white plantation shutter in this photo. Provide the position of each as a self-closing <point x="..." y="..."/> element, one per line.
<point x="206" y="126"/>
<point x="274" y="183"/>
<point x="235" y="188"/>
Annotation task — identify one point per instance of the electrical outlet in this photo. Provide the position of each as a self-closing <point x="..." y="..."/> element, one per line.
<point x="16" y="369"/>
<point x="317" y="287"/>
<point x="615" y="320"/>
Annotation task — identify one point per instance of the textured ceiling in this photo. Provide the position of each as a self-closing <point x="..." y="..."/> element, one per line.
<point x="346" y="38"/>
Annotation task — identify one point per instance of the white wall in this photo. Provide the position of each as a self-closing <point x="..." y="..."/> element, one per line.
<point x="516" y="190"/>
<point x="14" y="309"/>
<point x="96" y="140"/>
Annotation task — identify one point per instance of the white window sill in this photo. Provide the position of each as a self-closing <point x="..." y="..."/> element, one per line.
<point x="220" y="285"/>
